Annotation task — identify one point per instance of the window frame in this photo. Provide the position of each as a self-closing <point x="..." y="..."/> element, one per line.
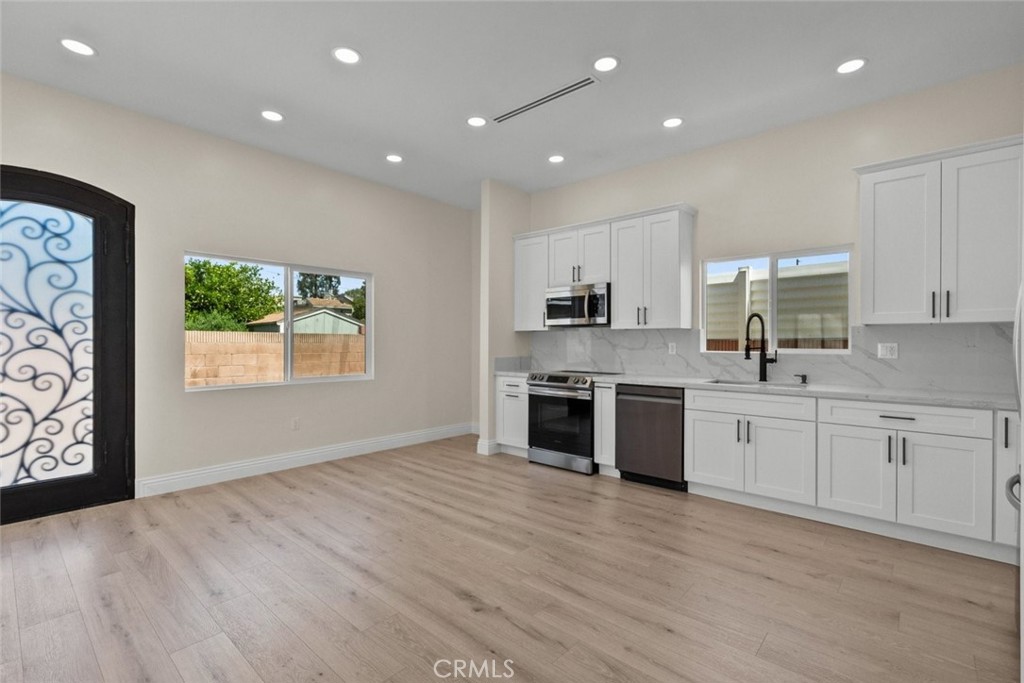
<point x="289" y="269"/>
<point x="773" y="279"/>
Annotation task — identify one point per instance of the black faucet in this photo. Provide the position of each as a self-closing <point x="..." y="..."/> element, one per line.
<point x="763" y="359"/>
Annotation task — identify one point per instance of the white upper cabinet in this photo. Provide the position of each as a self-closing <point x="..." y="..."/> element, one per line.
<point x="981" y="235"/>
<point x="651" y="271"/>
<point x="899" y="212"/>
<point x="940" y="239"/>
<point x="531" y="282"/>
<point x="579" y="256"/>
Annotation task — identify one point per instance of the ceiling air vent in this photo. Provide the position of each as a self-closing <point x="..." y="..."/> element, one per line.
<point x="550" y="97"/>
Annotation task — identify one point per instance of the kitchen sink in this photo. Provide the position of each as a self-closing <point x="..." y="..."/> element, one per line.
<point x="755" y="383"/>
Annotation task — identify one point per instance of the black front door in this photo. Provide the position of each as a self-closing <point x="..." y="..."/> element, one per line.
<point x="66" y="345"/>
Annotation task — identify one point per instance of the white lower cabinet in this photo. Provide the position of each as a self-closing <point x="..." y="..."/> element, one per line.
<point x="767" y="456"/>
<point x="944" y="483"/>
<point x="511" y="412"/>
<point x="930" y="480"/>
<point x="856" y="471"/>
<point x="780" y="459"/>
<point x="604" y="425"/>
<point x="713" y="449"/>
<point x="1007" y="463"/>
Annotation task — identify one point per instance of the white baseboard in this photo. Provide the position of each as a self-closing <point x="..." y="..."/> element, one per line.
<point x="513" y="450"/>
<point x="487" y="447"/>
<point x="936" y="539"/>
<point x="165" y="483"/>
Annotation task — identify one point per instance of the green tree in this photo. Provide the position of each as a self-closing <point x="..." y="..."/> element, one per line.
<point x="317" y="285"/>
<point x="233" y="291"/>
<point x="358" y="298"/>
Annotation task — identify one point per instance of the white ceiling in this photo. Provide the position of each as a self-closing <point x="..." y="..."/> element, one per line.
<point x="730" y="69"/>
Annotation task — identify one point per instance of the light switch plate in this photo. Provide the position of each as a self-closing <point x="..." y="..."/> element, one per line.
<point x="889" y="350"/>
<point x="671" y="348"/>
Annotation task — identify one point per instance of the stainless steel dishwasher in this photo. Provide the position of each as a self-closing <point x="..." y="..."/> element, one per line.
<point x="649" y="435"/>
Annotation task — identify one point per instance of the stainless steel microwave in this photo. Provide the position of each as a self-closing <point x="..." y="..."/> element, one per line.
<point x="578" y="305"/>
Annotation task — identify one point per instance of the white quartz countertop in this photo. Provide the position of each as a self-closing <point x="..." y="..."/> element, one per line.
<point x="983" y="401"/>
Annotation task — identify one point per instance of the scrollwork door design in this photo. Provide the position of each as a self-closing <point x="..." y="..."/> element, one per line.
<point x="66" y="345"/>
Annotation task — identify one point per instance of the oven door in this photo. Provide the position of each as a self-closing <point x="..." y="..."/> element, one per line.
<point x="561" y="421"/>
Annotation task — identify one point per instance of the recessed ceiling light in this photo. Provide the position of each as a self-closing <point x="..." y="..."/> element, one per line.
<point x="606" y="64"/>
<point x="78" y="47"/>
<point x="556" y="158"/>
<point x="394" y="158"/>
<point x="274" y="116"/>
<point x="346" y="55"/>
<point x="673" y="122"/>
<point x="476" y="121"/>
<point x="851" y="66"/>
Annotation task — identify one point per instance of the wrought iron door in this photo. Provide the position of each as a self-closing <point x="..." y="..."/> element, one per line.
<point x="66" y="345"/>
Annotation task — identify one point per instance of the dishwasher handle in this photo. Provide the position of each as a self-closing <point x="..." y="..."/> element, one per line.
<point x="632" y="390"/>
<point x="650" y="399"/>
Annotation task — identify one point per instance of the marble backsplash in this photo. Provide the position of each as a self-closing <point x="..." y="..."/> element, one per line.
<point x="956" y="357"/>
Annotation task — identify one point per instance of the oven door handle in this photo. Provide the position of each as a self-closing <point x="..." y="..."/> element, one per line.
<point x="564" y="393"/>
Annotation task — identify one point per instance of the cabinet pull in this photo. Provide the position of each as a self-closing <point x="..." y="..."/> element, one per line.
<point x="904" y="451"/>
<point x="645" y="315"/>
<point x="638" y="316"/>
<point x="748" y="431"/>
<point x="897" y="417"/>
<point x="1006" y="432"/>
<point x="515" y="396"/>
<point x="947" y="303"/>
<point x="933" y="305"/>
<point x="890" y="448"/>
<point x="738" y="438"/>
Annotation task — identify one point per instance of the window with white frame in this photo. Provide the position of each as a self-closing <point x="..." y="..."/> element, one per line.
<point x="251" y="322"/>
<point x="803" y="297"/>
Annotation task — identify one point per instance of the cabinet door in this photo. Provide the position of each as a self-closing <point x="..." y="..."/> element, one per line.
<point x="981" y="234"/>
<point x="595" y="254"/>
<point x="662" y="272"/>
<point x="604" y="425"/>
<point x="627" y="272"/>
<point x="1007" y="464"/>
<point x="780" y="459"/>
<point x="531" y="282"/>
<point x="563" y="257"/>
<point x="899" y="215"/>
<point x="512" y="419"/>
<point x="857" y="470"/>
<point x="713" y="449"/>
<point x="945" y="483"/>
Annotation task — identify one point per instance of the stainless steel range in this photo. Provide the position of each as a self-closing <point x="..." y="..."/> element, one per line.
<point x="561" y="419"/>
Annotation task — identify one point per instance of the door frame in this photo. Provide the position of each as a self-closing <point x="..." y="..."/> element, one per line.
<point x="113" y="476"/>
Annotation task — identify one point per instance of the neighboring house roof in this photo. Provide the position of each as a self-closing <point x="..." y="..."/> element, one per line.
<point x="301" y="313"/>
<point x="316" y="302"/>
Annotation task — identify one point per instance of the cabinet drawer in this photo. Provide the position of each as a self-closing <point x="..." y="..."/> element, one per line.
<point x="511" y="384"/>
<point x="908" y="418"/>
<point x="762" y="405"/>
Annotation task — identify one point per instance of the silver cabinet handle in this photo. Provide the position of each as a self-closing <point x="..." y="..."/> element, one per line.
<point x="515" y="396"/>
<point x="1011" y="483"/>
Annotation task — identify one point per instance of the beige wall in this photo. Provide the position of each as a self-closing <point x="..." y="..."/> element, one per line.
<point x="794" y="187"/>
<point x="201" y="193"/>
<point x="504" y="210"/>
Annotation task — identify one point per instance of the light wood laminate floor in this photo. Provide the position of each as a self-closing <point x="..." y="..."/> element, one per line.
<point x="371" y="569"/>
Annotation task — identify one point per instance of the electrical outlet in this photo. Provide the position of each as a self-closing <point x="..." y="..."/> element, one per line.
<point x="889" y="350"/>
<point x="295" y="424"/>
<point x="671" y="348"/>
